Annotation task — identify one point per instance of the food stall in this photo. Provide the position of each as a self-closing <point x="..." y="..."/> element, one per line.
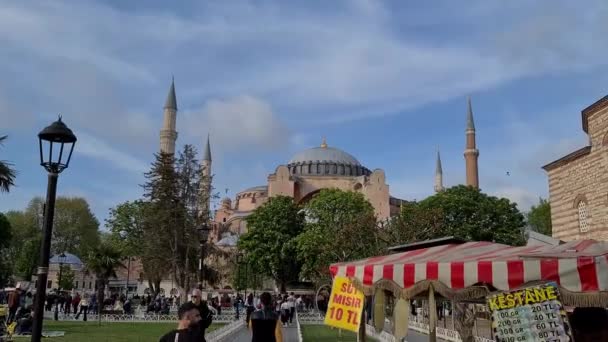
<point x="470" y="272"/>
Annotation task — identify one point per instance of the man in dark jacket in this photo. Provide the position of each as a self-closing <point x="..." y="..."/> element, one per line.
<point x="205" y="313"/>
<point x="264" y="324"/>
<point x="187" y="327"/>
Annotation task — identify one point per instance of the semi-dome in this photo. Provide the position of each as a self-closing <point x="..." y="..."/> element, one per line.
<point x="326" y="161"/>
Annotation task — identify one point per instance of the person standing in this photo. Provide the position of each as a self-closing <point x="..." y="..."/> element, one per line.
<point x="264" y="323"/>
<point x="14" y="301"/>
<point x="205" y="315"/>
<point x="187" y="326"/>
<point x="292" y="306"/>
<point x="84" y="307"/>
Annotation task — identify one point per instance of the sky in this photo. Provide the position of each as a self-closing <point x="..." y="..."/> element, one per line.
<point x="386" y="81"/>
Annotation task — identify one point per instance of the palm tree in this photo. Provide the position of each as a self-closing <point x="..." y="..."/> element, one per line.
<point x="7" y="173"/>
<point x="103" y="261"/>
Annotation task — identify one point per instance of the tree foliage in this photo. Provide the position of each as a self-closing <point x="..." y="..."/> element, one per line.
<point x="75" y="228"/>
<point x="414" y="223"/>
<point x="24" y="250"/>
<point x="341" y="226"/>
<point x="103" y="261"/>
<point x="539" y="217"/>
<point x="270" y="243"/>
<point x="5" y="240"/>
<point x="67" y="278"/>
<point x="7" y="172"/>
<point x="472" y="215"/>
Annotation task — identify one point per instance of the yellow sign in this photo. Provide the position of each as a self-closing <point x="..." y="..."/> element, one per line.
<point x="345" y="305"/>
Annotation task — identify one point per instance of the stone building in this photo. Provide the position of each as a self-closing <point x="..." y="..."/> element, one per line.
<point x="302" y="177"/>
<point x="578" y="182"/>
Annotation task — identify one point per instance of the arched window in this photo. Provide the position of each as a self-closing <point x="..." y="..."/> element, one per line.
<point x="582" y="217"/>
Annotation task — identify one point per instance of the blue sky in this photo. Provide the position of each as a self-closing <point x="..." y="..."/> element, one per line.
<point x="386" y="81"/>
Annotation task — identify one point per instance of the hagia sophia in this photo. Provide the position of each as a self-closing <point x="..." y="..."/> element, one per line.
<point x="304" y="175"/>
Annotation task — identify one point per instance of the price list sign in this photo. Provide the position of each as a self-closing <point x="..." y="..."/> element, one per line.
<point x="532" y="314"/>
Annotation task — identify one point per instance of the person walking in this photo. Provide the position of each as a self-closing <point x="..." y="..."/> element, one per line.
<point x="84" y="307"/>
<point x="75" y="302"/>
<point x="285" y="311"/>
<point x="249" y="307"/>
<point x="292" y="306"/>
<point x="187" y="327"/>
<point x="205" y="314"/>
<point x="14" y="301"/>
<point x="264" y="323"/>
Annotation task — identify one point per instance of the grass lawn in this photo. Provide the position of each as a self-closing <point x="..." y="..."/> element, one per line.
<point x="109" y="332"/>
<point x="322" y="333"/>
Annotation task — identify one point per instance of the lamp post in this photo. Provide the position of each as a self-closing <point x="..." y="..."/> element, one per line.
<point x="203" y="235"/>
<point x="61" y="260"/>
<point x="60" y="138"/>
<point x="238" y="283"/>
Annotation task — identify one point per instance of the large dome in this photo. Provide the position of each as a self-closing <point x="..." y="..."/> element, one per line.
<point x="328" y="154"/>
<point x="325" y="161"/>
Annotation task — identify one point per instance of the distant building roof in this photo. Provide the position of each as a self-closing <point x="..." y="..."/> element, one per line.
<point x="538" y="239"/>
<point x="255" y="188"/>
<point x="427" y="243"/>
<point x="70" y="259"/>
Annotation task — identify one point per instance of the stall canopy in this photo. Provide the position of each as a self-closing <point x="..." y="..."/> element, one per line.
<point x="579" y="267"/>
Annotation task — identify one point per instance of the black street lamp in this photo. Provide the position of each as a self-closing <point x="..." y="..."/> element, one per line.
<point x="57" y="137"/>
<point x="61" y="259"/>
<point x="204" y="236"/>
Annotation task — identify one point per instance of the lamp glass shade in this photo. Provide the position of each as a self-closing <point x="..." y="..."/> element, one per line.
<point x="56" y="143"/>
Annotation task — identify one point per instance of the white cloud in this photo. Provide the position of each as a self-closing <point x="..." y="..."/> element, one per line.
<point x="525" y="198"/>
<point x="318" y="65"/>
<point x="236" y="123"/>
<point x="93" y="147"/>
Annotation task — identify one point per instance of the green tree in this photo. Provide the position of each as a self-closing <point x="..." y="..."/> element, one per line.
<point x="341" y="226"/>
<point x="539" y="217"/>
<point x="5" y="240"/>
<point x="7" y="173"/>
<point x="75" y="228"/>
<point x="103" y="261"/>
<point x="413" y="223"/>
<point x="67" y="278"/>
<point x="270" y="243"/>
<point x="472" y="215"/>
<point x="25" y="246"/>
<point x="127" y="224"/>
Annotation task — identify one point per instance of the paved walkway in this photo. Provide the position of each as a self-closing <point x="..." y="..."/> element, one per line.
<point x="290" y="334"/>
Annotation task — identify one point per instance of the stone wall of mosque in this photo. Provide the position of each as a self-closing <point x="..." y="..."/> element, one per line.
<point x="578" y="187"/>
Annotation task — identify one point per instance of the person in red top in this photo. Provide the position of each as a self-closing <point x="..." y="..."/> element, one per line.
<point x="75" y="302"/>
<point x="14" y="300"/>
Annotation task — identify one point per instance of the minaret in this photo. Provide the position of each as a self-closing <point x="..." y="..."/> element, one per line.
<point x="471" y="153"/>
<point x="205" y="186"/>
<point x="438" y="174"/>
<point x="168" y="134"/>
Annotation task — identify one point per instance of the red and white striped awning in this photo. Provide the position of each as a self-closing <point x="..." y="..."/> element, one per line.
<point x="578" y="266"/>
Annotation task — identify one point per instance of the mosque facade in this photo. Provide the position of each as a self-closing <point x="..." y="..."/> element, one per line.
<point x="306" y="174"/>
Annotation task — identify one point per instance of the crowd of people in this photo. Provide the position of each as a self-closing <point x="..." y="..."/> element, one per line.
<point x="265" y="317"/>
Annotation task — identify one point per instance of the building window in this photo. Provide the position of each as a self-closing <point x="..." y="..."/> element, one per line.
<point x="90" y="284"/>
<point x="76" y="284"/>
<point x="49" y="284"/>
<point x="582" y="217"/>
